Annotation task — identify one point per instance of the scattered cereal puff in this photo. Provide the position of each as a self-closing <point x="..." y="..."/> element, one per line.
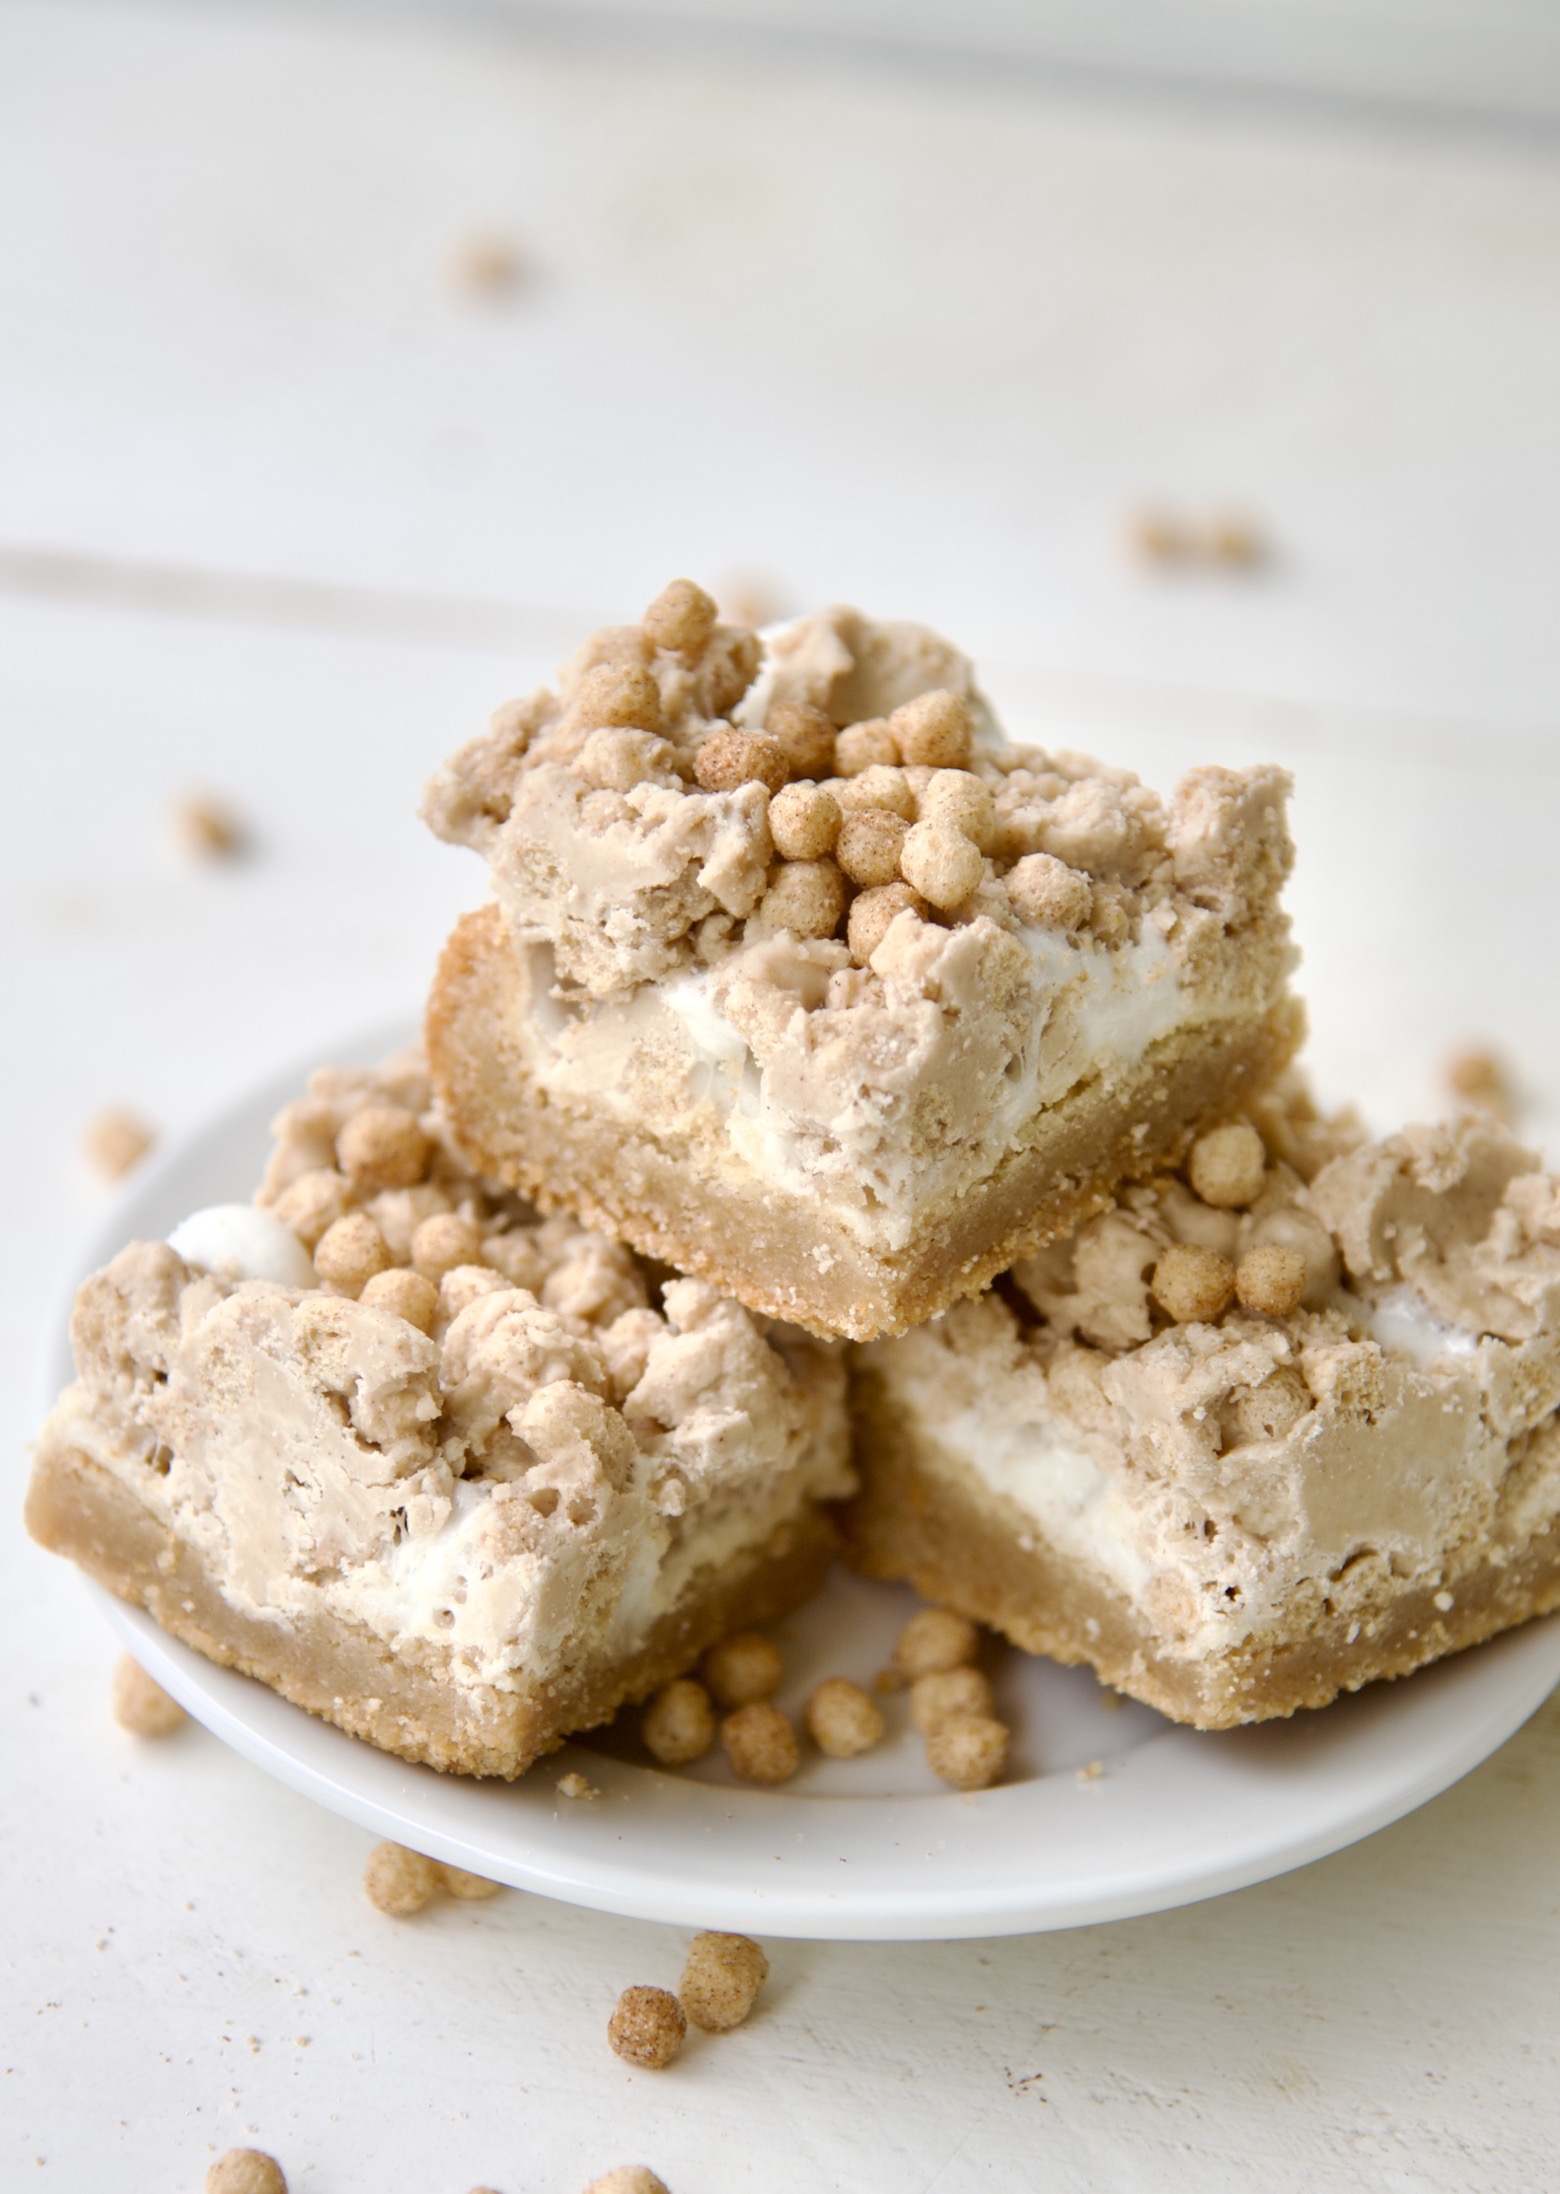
<point x="400" y="1882"/>
<point x="843" y="1720"/>
<point x="760" y="1744"/>
<point x="648" y="2027"/>
<point x="721" y="1981"/>
<point x="628" y="2179"/>
<point x="207" y="829"/>
<point x="969" y="1753"/>
<point x="948" y="1695"/>
<point x="744" y="1667"/>
<point x="115" y="1141"/>
<point x="934" y="1639"/>
<point x="469" y="1888"/>
<point x="246" y="2171"/>
<point x="679" y="1723"/>
<point x="141" y="1706"/>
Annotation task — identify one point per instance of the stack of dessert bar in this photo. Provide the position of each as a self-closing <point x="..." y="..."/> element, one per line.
<point x="814" y="1033"/>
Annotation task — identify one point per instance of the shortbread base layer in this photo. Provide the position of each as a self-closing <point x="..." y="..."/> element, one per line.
<point x="931" y="1522"/>
<point x="776" y="1251"/>
<point x="408" y="1704"/>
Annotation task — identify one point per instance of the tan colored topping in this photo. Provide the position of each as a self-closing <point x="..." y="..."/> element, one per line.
<point x="679" y="1723"/>
<point x="648" y="2027"/>
<point x="958" y="798"/>
<point x="404" y="1294"/>
<point x="942" y="864"/>
<point x="246" y="2171"/>
<point x="207" y="829"/>
<point x="804" y="822"/>
<point x="937" y="728"/>
<point x="744" y="1667"/>
<point x="728" y="758"/>
<point x="141" y="1706"/>
<point x="487" y="267"/>
<point x="1233" y="539"/>
<point x="381" y="1146"/>
<point x="1044" y="889"/>
<point x="115" y="1141"/>
<point x="1159" y="537"/>
<point x="628" y="2179"/>
<point x="400" y="1882"/>
<point x="760" y="1744"/>
<point x="1271" y="1280"/>
<point x="1192" y="1285"/>
<point x="721" y="1981"/>
<point x="443" y="1243"/>
<point x="617" y="758"/>
<point x="842" y="1719"/>
<point x="805" y="737"/>
<point x="312" y="1203"/>
<point x="865" y="746"/>
<point x="935" y="1639"/>
<point x="349" y="1253"/>
<point x="805" y="897"/>
<point x="880" y="786"/>
<point x="1228" y="1166"/>
<point x="1479" y="1078"/>
<point x="619" y="693"/>
<point x="970" y="1753"/>
<point x="469" y="1888"/>
<point x="681" y="618"/>
<point x="949" y="1695"/>
<point x="869" y="846"/>
<point x="871" y="913"/>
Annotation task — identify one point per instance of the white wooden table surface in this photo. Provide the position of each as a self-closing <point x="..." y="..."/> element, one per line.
<point x="283" y="514"/>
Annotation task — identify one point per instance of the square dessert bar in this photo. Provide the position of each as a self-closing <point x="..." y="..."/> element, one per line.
<point x="1251" y="1439"/>
<point x="805" y="980"/>
<point x="460" y="1481"/>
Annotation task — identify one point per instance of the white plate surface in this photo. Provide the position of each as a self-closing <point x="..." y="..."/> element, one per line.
<point x="870" y="1848"/>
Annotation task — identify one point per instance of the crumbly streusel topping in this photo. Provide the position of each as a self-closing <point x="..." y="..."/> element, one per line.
<point x="691" y="788"/>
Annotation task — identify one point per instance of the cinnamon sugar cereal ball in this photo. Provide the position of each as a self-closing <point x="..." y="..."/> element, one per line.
<point x="804" y="822"/>
<point x="246" y="2171"/>
<point x="1271" y="1280"/>
<point x="1191" y="1284"/>
<point x="350" y="1252"/>
<point x="727" y="759"/>
<point x="400" y="1882"/>
<point x="628" y="2179"/>
<point x="934" y="1639"/>
<point x="881" y="786"/>
<point x="619" y="693"/>
<point x="443" y="1243"/>
<point x="969" y="1752"/>
<point x="382" y="1146"/>
<point x="648" y="2027"/>
<point x="744" y="1667"/>
<point x="404" y="1294"/>
<point x="312" y="1203"/>
<point x="469" y="1888"/>
<point x="843" y="1720"/>
<point x="679" y="1723"/>
<point x="721" y="1981"/>
<point x="958" y="798"/>
<point x="681" y="618"/>
<point x="862" y="746"/>
<point x="941" y="863"/>
<point x="937" y="729"/>
<point x="141" y="1706"/>
<point x="760" y="1744"/>
<point x="869" y="846"/>
<point x="805" y="737"/>
<point x="949" y="1695"/>
<point x="805" y="897"/>
<point x="1046" y="890"/>
<point x="872" y="912"/>
<point x="1228" y="1165"/>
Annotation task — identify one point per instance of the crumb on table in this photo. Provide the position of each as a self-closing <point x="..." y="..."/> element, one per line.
<point x="208" y="828"/>
<point x="246" y="2171"/>
<point x="400" y="1882"/>
<point x="141" y="1706"/>
<point x="115" y="1140"/>
<point x="721" y="1980"/>
<point x="648" y="2027"/>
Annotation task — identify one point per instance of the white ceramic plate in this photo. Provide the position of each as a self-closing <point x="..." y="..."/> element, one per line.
<point x="1109" y="1810"/>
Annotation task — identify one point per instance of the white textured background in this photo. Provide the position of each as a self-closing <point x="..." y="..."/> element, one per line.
<point x="281" y="512"/>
